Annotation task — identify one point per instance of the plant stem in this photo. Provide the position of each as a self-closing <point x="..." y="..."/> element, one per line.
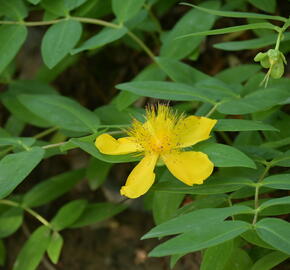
<point x="45" y="132"/>
<point x="96" y="21"/>
<point x="28" y="210"/>
<point x="90" y="21"/>
<point x="212" y="110"/>
<point x="37" y="23"/>
<point x="142" y="45"/>
<point x="53" y="145"/>
<point x="280" y="34"/>
<point x="37" y="216"/>
<point x="268" y="166"/>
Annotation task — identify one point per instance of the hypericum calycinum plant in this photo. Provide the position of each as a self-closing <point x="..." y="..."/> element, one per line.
<point x="212" y="165"/>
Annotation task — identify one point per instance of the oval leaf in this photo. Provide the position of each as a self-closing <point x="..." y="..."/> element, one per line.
<point x="68" y="214"/>
<point x="126" y="9"/>
<point x="10" y="221"/>
<point x="59" y="39"/>
<point x="52" y="188"/>
<point x="201" y="237"/>
<point x="226" y="156"/>
<point x="33" y="250"/>
<point x="98" y="212"/>
<point x="54" y="247"/>
<point x="61" y="111"/>
<point x="241" y="125"/>
<point x="11" y="39"/>
<point x="196" y="219"/>
<point x="15" y="167"/>
<point x="275" y="232"/>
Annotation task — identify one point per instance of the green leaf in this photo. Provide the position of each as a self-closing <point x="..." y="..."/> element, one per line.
<point x="172" y="202"/>
<point x="253" y="238"/>
<point x="198" y="219"/>
<point x="61" y="111"/>
<point x="226" y="156"/>
<point x="18" y="141"/>
<point x="15" y="167"/>
<point x="270" y="260"/>
<point x="275" y="232"/>
<point x="98" y="212"/>
<point x="231" y="29"/>
<point x="239" y="260"/>
<point x="166" y="90"/>
<point x="11" y="39"/>
<point x="241" y="125"/>
<point x="58" y="41"/>
<point x="56" y="7"/>
<point x="213" y="185"/>
<point x="34" y="249"/>
<point x="276" y="201"/>
<point x="278" y="181"/>
<point x="68" y="214"/>
<point x="203" y="201"/>
<point x="265" y="5"/>
<point x="126" y="9"/>
<point x="15" y="126"/>
<point x="97" y="172"/>
<point x="254" y="102"/>
<point x="233" y="14"/>
<point x="201" y="237"/>
<point x="104" y="37"/>
<point x="255" y="43"/>
<point x="180" y="72"/>
<point x="15" y="9"/>
<point x="72" y="4"/>
<point x="110" y="115"/>
<point x="217" y="256"/>
<point x="152" y="73"/>
<point x="238" y="74"/>
<point x="10" y="221"/>
<point x="11" y="102"/>
<point x="282" y="208"/>
<point x="52" y="188"/>
<point x="193" y="20"/>
<point x="54" y="247"/>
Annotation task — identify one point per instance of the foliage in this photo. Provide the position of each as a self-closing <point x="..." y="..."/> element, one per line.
<point x="237" y="210"/>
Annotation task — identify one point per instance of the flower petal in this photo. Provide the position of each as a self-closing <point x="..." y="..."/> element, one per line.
<point x="141" y="178"/>
<point x="189" y="167"/>
<point x="193" y="129"/>
<point x="110" y="146"/>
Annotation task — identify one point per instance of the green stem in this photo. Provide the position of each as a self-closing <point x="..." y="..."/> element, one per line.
<point x="45" y="132"/>
<point x="212" y="110"/>
<point x="37" y="216"/>
<point x="226" y="138"/>
<point x="28" y="210"/>
<point x="37" y="23"/>
<point x="268" y="166"/>
<point x="142" y="45"/>
<point x="90" y="21"/>
<point x="53" y="145"/>
<point x="279" y="39"/>
<point x="37" y="136"/>
<point x="96" y="21"/>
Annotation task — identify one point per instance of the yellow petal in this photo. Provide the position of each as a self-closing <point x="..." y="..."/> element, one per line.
<point x="141" y="178"/>
<point x="193" y="129"/>
<point x="110" y="146"/>
<point x="189" y="167"/>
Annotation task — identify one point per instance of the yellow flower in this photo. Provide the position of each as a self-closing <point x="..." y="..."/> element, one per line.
<point x="162" y="136"/>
